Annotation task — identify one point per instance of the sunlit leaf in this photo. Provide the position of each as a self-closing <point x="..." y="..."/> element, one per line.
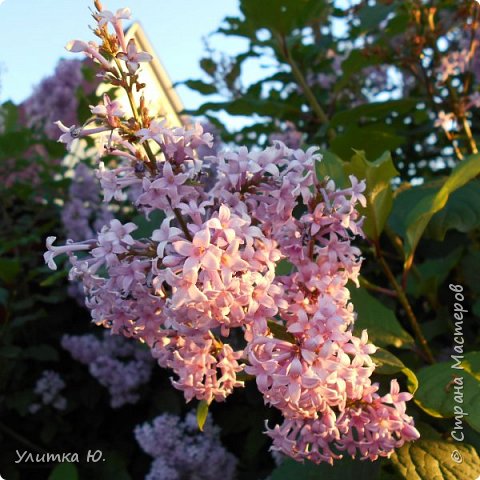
<point x="428" y="459"/>
<point x="202" y="414"/>
<point x="378" y="176"/>
<point x="443" y="389"/>
<point x="419" y="217"/>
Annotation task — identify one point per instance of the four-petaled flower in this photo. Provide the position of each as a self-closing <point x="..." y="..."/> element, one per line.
<point x="199" y="252"/>
<point x="132" y="57"/>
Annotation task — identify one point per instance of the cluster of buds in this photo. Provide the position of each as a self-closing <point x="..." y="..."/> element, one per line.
<point x="202" y="289"/>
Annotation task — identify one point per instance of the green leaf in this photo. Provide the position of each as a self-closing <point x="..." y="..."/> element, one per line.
<point x="373" y="140"/>
<point x="420" y="216"/>
<point x="470" y="267"/>
<point x="372" y="16"/>
<point x="461" y="213"/>
<point x="147" y="226"/>
<point x="280" y="332"/>
<point x="64" y="471"/>
<point x="284" y="267"/>
<point x="333" y="167"/>
<point x="471" y="364"/>
<point x="208" y="66"/>
<point x="444" y="389"/>
<point x="280" y="16"/>
<point x="53" y="278"/>
<point x="428" y="459"/>
<point x="373" y="111"/>
<point x="342" y="470"/>
<point x="378" y="175"/>
<point x="382" y="325"/>
<point x="405" y="201"/>
<point x="431" y="274"/>
<point x="202" y="87"/>
<point x="114" y="467"/>
<point x="249" y="105"/>
<point x="355" y="62"/>
<point x="388" y="364"/>
<point x="202" y="413"/>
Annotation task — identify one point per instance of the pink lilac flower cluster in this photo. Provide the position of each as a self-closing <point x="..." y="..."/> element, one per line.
<point x="120" y="366"/>
<point x="181" y="451"/>
<point x="48" y="388"/>
<point x="55" y="97"/>
<point x="206" y="275"/>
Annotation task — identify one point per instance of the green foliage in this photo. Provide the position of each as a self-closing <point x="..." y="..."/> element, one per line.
<point x="64" y="471"/>
<point x="388" y="364"/>
<point x="279" y="331"/>
<point x="380" y="322"/>
<point x="418" y="219"/>
<point x="114" y="467"/>
<point x="372" y="140"/>
<point x="373" y="112"/>
<point x="378" y="176"/>
<point x="461" y="212"/>
<point x="432" y="459"/>
<point x="431" y="274"/>
<point x="280" y="16"/>
<point x="332" y="166"/>
<point x="444" y="390"/>
<point x="201" y="87"/>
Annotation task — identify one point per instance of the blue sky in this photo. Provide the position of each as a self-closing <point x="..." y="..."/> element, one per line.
<point x="33" y="34"/>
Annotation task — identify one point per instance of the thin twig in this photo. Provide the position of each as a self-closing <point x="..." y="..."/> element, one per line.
<point x="21" y="439"/>
<point x="402" y="298"/>
<point x="375" y="288"/>
<point x="316" y="107"/>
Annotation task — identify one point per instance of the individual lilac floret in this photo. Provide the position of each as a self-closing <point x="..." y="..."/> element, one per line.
<point x="48" y="388"/>
<point x="181" y="451"/>
<point x="120" y="366"/>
